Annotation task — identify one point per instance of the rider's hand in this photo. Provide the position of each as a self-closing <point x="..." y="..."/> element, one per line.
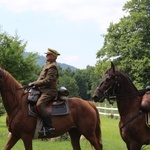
<point x="31" y="84"/>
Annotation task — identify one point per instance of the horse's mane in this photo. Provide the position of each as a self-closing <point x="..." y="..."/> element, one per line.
<point x="11" y="82"/>
<point x="119" y="72"/>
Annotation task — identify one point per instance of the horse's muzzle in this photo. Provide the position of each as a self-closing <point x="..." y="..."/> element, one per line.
<point x="95" y="98"/>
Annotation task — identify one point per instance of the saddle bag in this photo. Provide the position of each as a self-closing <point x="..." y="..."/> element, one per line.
<point x="63" y="93"/>
<point x="33" y="96"/>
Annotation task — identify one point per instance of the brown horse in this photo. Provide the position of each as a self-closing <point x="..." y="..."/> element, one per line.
<point x="115" y="85"/>
<point x="83" y="118"/>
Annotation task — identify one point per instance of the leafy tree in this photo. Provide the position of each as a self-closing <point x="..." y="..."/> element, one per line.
<point x="24" y="69"/>
<point x="67" y="72"/>
<point x="81" y="80"/>
<point x="70" y="84"/>
<point x="127" y="43"/>
<point x="85" y="80"/>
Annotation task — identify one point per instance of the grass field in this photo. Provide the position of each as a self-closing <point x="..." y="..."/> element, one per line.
<point x="110" y="137"/>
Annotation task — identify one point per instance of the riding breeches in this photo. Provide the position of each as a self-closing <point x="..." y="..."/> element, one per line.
<point x="42" y="103"/>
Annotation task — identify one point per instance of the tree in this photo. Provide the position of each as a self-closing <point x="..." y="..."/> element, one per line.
<point x="70" y="84"/>
<point x="82" y="82"/>
<point x="86" y="80"/>
<point x="127" y="43"/>
<point x="24" y="69"/>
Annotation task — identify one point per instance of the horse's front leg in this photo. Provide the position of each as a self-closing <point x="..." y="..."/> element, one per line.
<point x="134" y="146"/>
<point x="27" y="140"/>
<point x="12" y="140"/>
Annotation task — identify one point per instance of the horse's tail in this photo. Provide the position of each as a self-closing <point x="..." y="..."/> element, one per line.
<point x="98" y="129"/>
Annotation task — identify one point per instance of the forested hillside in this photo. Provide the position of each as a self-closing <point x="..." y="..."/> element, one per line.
<point x="41" y="62"/>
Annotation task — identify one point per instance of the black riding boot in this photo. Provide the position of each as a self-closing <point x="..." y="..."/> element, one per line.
<point x="48" y="128"/>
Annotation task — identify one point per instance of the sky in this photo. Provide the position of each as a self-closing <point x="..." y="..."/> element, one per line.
<point x="72" y="27"/>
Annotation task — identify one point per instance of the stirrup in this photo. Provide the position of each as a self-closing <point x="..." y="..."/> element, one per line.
<point x="47" y="131"/>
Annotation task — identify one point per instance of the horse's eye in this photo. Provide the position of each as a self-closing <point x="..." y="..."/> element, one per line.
<point x="108" y="78"/>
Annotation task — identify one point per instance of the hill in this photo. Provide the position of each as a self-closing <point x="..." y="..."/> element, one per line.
<point x="41" y="62"/>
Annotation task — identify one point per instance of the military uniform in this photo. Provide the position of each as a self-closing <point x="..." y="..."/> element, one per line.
<point x="47" y="82"/>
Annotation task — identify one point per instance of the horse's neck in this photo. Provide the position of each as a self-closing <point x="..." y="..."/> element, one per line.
<point x="10" y="95"/>
<point x="9" y="102"/>
<point x="128" y="106"/>
<point x="128" y="101"/>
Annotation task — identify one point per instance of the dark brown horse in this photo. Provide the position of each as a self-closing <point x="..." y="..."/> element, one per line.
<point x="83" y="118"/>
<point x="115" y="85"/>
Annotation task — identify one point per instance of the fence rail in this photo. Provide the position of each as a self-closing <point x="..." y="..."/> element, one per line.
<point x="108" y="111"/>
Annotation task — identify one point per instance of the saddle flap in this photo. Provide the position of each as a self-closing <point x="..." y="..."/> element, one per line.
<point x="60" y="108"/>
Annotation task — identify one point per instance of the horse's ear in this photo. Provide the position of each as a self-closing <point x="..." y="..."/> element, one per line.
<point x="113" y="67"/>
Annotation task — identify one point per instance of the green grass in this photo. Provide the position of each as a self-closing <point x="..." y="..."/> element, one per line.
<point x="110" y="137"/>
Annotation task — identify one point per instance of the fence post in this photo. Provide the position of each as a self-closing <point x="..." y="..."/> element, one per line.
<point x="105" y="109"/>
<point x="112" y="110"/>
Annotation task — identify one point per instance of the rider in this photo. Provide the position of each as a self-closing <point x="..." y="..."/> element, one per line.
<point x="47" y="82"/>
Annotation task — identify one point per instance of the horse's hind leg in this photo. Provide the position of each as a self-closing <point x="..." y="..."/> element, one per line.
<point x="75" y="138"/>
<point x="12" y="140"/>
<point x="94" y="142"/>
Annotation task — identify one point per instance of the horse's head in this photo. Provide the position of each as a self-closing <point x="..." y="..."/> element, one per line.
<point x="108" y="86"/>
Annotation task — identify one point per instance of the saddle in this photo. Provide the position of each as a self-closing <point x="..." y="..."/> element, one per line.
<point x="58" y="107"/>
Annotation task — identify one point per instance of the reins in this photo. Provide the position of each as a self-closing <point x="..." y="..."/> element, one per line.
<point x="135" y="116"/>
<point x="138" y="93"/>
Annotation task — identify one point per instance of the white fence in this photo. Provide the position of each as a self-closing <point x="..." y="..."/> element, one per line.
<point x="113" y="112"/>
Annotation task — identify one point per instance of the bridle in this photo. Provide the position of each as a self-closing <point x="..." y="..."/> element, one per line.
<point x="113" y="88"/>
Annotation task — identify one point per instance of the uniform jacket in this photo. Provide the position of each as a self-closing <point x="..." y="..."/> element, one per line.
<point x="47" y="80"/>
